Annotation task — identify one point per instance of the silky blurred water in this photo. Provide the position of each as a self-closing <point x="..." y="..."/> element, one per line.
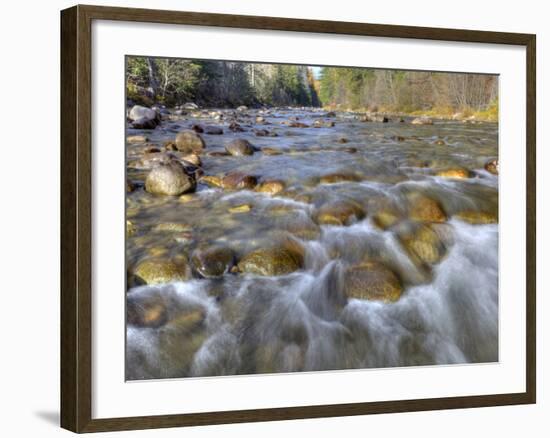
<point x="298" y="322"/>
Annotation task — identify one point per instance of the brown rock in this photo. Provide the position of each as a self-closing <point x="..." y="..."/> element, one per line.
<point x="189" y="142"/>
<point x="271" y="187"/>
<point x="211" y="180"/>
<point x="146" y="312"/>
<point x="239" y="147"/>
<point x="492" y="167"/>
<point x="333" y="178"/>
<point x="477" y="217"/>
<point x="239" y="180"/>
<point x="158" y="270"/>
<point x="372" y="281"/>
<point x="271" y="261"/>
<point x="425" y="209"/>
<point x="456" y="172"/>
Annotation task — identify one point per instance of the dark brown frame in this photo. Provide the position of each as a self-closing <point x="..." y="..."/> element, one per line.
<point x="76" y="225"/>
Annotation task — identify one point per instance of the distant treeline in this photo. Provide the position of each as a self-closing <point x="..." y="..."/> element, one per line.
<point x="407" y="91"/>
<point x="229" y="84"/>
<point x="218" y="83"/>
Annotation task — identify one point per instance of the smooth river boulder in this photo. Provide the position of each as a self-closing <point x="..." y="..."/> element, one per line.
<point x="140" y="112"/>
<point x="372" y="281"/>
<point x="425" y="209"/>
<point x="424" y="244"/>
<point x="238" y="180"/>
<point x="159" y="270"/>
<point x="189" y="142"/>
<point x="169" y="179"/>
<point x="279" y="260"/>
<point x="239" y="147"/>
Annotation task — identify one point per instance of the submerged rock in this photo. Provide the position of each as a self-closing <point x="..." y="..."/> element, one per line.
<point x="372" y="281"/>
<point x="385" y="219"/>
<point x="189" y="142"/>
<point x="456" y="172"/>
<point x="239" y="147"/>
<point x="173" y="227"/>
<point x="211" y="181"/>
<point x="333" y="178"/>
<point x="243" y="208"/>
<point x="280" y="260"/>
<point x="147" y="311"/>
<point x="477" y="217"/>
<point x="425" y="209"/>
<point x="169" y="179"/>
<point x="271" y="187"/>
<point x="214" y="261"/>
<point x="239" y="180"/>
<point x="160" y="270"/>
<point x="424" y="244"/>
<point x="339" y="213"/>
<point x="132" y="139"/>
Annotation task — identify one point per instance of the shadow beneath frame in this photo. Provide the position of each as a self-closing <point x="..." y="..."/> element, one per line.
<point x="51" y="417"/>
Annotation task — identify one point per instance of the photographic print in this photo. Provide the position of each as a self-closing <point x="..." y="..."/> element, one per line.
<point x="286" y="218"/>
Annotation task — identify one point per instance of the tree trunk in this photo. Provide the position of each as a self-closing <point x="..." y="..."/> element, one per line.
<point x="153" y="86"/>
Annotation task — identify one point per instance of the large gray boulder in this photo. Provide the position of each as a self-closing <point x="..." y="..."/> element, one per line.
<point x="143" y="117"/>
<point x="169" y="179"/>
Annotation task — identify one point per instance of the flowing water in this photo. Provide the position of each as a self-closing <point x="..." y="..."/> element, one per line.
<point x="243" y="323"/>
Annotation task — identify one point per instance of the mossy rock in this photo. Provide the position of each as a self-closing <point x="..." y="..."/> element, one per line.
<point x="425" y="209"/>
<point x="424" y="244"/>
<point x="372" y="281"/>
<point x="271" y="261"/>
<point x="160" y="270"/>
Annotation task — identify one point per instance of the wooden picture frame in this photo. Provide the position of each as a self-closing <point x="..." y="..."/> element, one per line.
<point x="76" y="217"/>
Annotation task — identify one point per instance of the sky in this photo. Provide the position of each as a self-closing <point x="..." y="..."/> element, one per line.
<point x="316" y="71"/>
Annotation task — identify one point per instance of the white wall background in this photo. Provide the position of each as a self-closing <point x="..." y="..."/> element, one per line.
<point x="29" y="222"/>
